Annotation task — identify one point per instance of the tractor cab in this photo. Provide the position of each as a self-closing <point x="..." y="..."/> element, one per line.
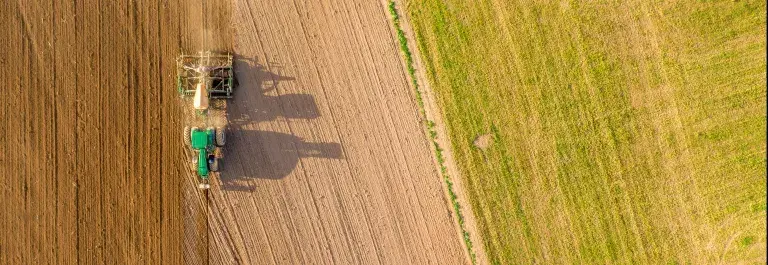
<point x="202" y="142"/>
<point x="201" y="139"/>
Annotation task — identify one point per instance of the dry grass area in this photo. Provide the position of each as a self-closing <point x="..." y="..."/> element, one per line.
<point x="630" y="132"/>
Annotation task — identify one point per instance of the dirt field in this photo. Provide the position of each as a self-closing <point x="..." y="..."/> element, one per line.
<point x="326" y="162"/>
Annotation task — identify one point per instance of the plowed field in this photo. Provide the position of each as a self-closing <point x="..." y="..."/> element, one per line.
<point x="326" y="159"/>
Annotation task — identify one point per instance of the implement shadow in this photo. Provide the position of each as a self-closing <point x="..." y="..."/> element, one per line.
<point x="252" y="105"/>
<point x="257" y="154"/>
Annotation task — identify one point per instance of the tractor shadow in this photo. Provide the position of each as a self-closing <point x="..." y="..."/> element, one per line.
<point x="258" y="154"/>
<point x="267" y="155"/>
<point x="251" y="102"/>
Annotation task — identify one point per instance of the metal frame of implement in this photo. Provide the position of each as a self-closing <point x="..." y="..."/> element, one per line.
<point x="222" y="76"/>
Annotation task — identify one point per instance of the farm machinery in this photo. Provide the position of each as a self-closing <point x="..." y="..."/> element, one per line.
<point x="204" y="143"/>
<point x="205" y="76"/>
<point x="204" y="81"/>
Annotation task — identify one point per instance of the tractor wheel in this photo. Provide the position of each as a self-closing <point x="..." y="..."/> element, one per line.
<point x="214" y="165"/>
<point x="221" y="136"/>
<point x="187" y="140"/>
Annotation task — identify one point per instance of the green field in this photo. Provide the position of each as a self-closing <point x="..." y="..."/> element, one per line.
<point x="624" y="131"/>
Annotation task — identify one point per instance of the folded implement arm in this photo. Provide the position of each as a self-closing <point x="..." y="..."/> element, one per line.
<point x="206" y="67"/>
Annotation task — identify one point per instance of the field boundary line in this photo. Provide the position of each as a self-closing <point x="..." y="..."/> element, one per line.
<point x="431" y="116"/>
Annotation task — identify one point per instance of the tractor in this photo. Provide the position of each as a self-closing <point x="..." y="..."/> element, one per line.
<point x="204" y="81"/>
<point x="204" y="144"/>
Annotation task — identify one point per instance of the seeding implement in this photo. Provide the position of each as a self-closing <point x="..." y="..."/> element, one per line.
<point x="201" y="79"/>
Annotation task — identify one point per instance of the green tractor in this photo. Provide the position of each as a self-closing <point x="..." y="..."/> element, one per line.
<point x="205" y="145"/>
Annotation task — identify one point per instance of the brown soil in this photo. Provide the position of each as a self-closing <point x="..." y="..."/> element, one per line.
<point x="90" y="168"/>
<point x="325" y="162"/>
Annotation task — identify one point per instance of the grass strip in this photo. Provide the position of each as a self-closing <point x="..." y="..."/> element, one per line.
<point x="430" y="125"/>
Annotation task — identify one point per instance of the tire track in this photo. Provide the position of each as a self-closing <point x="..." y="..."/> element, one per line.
<point x="66" y="120"/>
